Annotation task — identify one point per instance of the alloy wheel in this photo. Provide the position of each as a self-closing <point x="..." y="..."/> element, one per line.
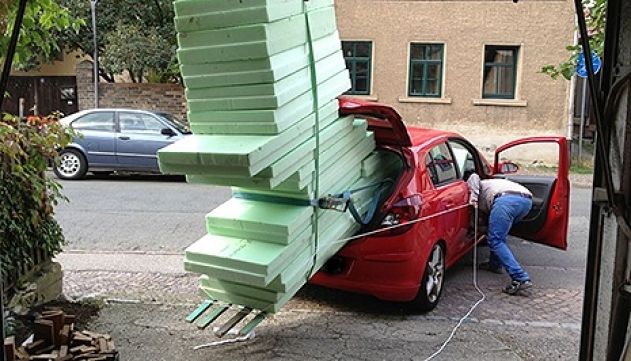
<point x="435" y="273"/>
<point x="69" y="164"/>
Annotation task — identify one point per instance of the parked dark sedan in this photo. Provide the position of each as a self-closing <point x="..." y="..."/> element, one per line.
<point x="116" y="139"/>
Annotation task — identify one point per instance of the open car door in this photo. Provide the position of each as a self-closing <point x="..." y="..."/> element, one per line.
<point x="547" y="222"/>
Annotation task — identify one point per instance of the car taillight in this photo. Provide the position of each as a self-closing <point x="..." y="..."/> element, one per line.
<point x="403" y="211"/>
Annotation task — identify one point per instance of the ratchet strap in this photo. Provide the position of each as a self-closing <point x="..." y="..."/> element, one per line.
<point x="340" y="202"/>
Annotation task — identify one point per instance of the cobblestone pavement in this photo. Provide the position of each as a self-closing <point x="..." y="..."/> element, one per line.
<point x="560" y="307"/>
<point x="157" y="332"/>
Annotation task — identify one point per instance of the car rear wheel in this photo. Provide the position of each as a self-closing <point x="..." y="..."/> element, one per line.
<point x="72" y="165"/>
<point x="431" y="286"/>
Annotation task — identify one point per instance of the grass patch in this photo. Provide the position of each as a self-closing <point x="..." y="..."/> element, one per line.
<point x="581" y="169"/>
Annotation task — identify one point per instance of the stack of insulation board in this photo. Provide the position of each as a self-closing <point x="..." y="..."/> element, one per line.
<point x="262" y="77"/>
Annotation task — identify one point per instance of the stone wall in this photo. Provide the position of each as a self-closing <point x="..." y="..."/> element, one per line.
<point x="163" y="97"/>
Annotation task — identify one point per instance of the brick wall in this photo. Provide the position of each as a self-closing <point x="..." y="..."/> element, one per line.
<point x="163" y="97"/>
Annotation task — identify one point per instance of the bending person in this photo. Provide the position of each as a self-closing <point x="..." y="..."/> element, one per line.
<point x="506" y="203"/>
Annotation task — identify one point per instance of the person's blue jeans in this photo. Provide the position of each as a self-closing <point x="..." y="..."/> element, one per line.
<point x="506" y="211"/>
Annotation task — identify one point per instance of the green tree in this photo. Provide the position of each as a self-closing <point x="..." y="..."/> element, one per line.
<point x="38" y="42"/>
<point x="134" y="36"/>
<point x="595" y="15"/>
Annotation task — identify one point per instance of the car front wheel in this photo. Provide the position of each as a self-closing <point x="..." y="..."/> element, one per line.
<point x="72" y="165"/>
<point x="431" y="286"/>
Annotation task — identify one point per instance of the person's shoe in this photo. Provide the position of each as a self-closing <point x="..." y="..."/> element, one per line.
<point x="516" y="287"/>
<point x="486" y="266"/>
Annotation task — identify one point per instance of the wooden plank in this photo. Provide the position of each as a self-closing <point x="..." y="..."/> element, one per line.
<point x="64" y="335"/>
<point x="102" y="343"/>
<point x="199" y="310"/>
<point x="228" y="325"/>
<point x="9" y="348"/>
<point x="44" y="330"/>
<point x="204" y="322"/>
<point x="252" y="324"/>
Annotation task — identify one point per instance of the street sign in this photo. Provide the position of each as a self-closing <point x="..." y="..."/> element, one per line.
<point x="581" y="68"/>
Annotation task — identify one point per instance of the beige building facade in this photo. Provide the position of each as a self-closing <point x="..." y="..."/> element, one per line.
<point x="467" y="66"/>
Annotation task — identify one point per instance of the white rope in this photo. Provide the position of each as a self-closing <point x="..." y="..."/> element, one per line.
<point x="475" y="284"/>
<point x="385" y="229"/>
<point x="251" y="335"/>
<point x="247" y="337"/>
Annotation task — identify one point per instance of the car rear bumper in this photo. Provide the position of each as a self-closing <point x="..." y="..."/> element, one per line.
<point x="388" y="268"/>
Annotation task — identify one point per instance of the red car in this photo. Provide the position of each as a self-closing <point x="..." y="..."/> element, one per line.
<point x="408" y="263"/>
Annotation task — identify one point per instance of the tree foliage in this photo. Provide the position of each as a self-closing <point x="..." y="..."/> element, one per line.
<point x="38" y="43"/>
<point x="595" y="15"/>
<point x="28" y="195"/>
<point x="136" y="36"/>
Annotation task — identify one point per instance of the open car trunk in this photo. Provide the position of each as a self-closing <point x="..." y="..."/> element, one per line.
<point x="393" y="149"/>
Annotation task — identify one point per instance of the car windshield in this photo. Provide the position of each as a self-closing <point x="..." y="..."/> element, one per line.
<point x="179" y="125"/>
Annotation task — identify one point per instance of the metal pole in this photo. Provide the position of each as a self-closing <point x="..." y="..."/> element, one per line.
<point x="8" y="62"/>
<point x="4" y="79"/>
<point x="95" y="60"/>
<point x="580" y="131"/>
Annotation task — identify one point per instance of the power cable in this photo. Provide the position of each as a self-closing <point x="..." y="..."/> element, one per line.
<point x="475" y="284"/>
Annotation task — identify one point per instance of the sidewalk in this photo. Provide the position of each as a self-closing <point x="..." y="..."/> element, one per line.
<point x="581" y="180"/>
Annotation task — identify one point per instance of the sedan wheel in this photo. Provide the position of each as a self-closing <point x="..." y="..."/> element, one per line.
<point x="72" y="165"/>
<point x="433" y="279"/>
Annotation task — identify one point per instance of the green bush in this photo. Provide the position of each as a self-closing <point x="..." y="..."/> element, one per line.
<point x="27" y="226"/>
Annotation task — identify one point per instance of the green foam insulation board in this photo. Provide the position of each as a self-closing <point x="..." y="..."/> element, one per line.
<point x="257" y="71"/>
<point x="270" y="177"/>
<point x="236" y="155"/>
<point x="283" y="117"/>
<point x="264" y="96"/>
<point x="214" y="18"/>
<point x="253" y="41"/>
<point x="246" y="66"/>
<point x="251" y="153"/>
<point x="251" y="256"/>
<point x="293" y="277"/>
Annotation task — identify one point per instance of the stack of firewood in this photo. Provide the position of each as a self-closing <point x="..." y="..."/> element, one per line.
<point x="55" y="339"/>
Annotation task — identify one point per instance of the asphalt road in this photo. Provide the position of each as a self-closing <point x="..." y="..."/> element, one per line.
<point x="136" y="213"/>
<point x="139" y="216"/>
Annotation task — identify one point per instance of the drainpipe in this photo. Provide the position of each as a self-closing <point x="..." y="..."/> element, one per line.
<point x="95" y="60"/>
<point x="570" y="113"/>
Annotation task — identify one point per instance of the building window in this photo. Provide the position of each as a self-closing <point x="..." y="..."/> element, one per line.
<point x="500" y="72"/>
<point x="358" y="56"/>
<point x="426" y="70"/>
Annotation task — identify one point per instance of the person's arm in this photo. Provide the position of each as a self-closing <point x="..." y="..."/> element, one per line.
<point x="474" y="188"/>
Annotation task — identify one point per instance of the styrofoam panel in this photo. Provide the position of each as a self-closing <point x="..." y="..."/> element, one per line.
<point x="281" y="220"/>
<point x="253" y="152"/>
<point x="257" y="71"/>
<point x="253" y="41"/>
<point x="288" y="164"/>
<point x="248" y="14"/>
<point x="269" y="32"/>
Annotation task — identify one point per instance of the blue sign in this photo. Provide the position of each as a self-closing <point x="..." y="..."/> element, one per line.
<point x="581" y="68"/>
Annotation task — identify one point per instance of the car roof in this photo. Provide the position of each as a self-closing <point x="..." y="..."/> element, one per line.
<point x="422" y="137"/>
<point x="70" y="118"/>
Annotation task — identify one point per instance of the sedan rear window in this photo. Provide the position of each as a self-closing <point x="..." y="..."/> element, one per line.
<point x="100" y="121"/>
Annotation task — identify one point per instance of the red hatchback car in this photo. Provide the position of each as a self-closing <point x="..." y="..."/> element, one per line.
<point x="408" y="263"/>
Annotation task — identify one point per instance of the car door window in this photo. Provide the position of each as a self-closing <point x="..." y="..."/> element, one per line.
<point x="441" y="165"/>
<point x="464" y="159"/>
<point x="139" y="123"/>
<point x="100" y="121"/>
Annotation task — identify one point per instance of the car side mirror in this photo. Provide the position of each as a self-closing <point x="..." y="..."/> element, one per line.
<point x="168" y="132"/>
<point x="508" y="167"/>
